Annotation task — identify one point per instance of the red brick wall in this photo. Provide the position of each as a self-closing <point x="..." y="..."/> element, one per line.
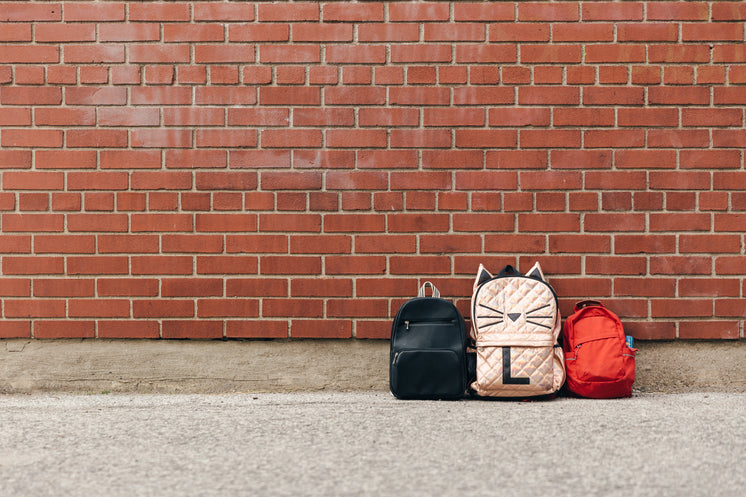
<point x="209" y="169"/>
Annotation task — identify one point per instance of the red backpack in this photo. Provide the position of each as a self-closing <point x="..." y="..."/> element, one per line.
<point x="599" y="362"/>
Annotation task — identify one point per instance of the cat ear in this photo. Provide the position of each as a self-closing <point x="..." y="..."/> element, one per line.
<point x="536" y="272"/>
<point x="482" y="276"/>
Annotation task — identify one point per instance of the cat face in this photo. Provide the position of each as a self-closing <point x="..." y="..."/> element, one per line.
<point x="514" y="305"/>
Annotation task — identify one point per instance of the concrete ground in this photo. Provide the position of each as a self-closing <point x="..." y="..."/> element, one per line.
<point x="368" y="443"/>
<point x="173" y="366"/>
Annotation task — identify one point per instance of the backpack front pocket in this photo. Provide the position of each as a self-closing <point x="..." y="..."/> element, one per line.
<point x="597" y="360"/>
<point x="427" y="373"/>
<point x="515" y="371"/>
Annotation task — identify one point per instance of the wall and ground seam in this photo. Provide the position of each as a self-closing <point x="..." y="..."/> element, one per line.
<point x="212" y="169"/>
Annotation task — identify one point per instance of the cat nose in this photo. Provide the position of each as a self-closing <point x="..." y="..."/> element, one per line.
<point x="514" y="316"/>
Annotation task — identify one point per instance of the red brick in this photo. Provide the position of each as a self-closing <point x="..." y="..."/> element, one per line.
<point x="15" y="329"/>
<point x="628" y="11"/>
<point x="16" y="11"/>
<point x="194" y="32"/>
<point x="130" y="287"/>
<point x="251" y="117"/>
<point x="211" y="308"/>
<point x="548" y="222"/>
<point x="159" y="11"/>
<point x="65" y="32"/>
<point x="404" y="53"/>
<point x="17" y="32"/>
<point x="335" y="223"/>
<point x="377" y="32"/>
<point x="94" y="54"/>
<point x="645" y="159"/>
<point x="32" y="222"/>
<point x="584" y="32"/>
<point x="678" y="11"/>
<point x="64" y="329"/>
<point x="729" y="96"/>
<point x="450" y="243"/>
<point x="613" y="222"/>
<point x="158" y="180"/>
<point x="223" y="12"/>
<point x="680" y="265"/>
<point x="130" y="159"/>
<point x="198" y="330"/>
<point x="537" y="95"/>
<point x="427" y="11"/>
<point x="287" y="54"/>
<point x="710" y="159"/>
<point x="463" y="31"/>
<point x="128" y="329"/>
<point x="296" y="138"/>
<point x="97" y="222"/>
<point x="97" y="181"/>
<point x="508" y="243"/>
<point x="355" y="265"/>
<point x="301" y="11"/>
<point x="260" y="158"/>
<point x="15" y="244"/>
<point x="278" y="95"/>
<point x="698" y="330"/>
<point x="33" y="265"/>
<point x="96" y="138"/>
<point x="579" y="244"/>
<point x="475" y="11"/>
<point x="651" y="330"/>
<point x="485" y="180"/>
<point x="163" y="309"/>
<point x="679" y="96"/>
<point x="29" y="54"/>
<point x="428" y="138"/>
<point x="65" y="159"/>
<point x="31" y="138"/>
<point x="326" y="328"/>
<point x="64" y="244"/>
<point x="536" y="11"/>
<point x="465" y="159"/>
<point x="482" y="54"/>
<point x="680" y="308"/>
<point x="225" y="222"/>
<point x="187" y="159"/>
<point x="668" y="138"/>
<point x="96" y="96"/>
<point x="519" y="32"/>
<point x="356" y="54"/>
<point x="673" y="53"/>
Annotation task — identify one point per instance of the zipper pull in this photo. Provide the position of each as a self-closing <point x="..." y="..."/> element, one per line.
<point x="406" y="323"/>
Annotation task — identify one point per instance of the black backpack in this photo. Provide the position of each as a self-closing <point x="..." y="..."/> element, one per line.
<point x="428" y="349"/>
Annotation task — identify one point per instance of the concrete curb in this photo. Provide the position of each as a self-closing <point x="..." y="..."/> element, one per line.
<point x="164" y="366"/>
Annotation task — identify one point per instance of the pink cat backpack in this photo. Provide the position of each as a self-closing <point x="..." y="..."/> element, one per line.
<point x="515" y="326"/>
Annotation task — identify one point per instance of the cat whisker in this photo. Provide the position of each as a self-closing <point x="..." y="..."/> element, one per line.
<point x="537" y="309"/>
<point x="491" y="309"/>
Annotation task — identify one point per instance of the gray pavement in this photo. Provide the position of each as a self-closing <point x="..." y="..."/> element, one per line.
<point x="370" y="444"/>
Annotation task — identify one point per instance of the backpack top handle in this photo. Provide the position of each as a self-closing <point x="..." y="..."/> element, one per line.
<point x="434" y="291"/>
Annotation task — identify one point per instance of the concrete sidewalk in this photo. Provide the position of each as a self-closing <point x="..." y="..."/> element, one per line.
<point x="370" y="444"/>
